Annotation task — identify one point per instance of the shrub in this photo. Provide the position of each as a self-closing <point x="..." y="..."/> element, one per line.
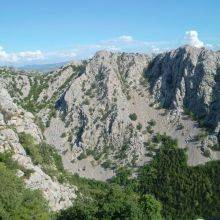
<point x="89" y="151"/>
<point x="149" y="154"/>
<point x="6" y="158"/>
<point x="106" y="164"/>
<point x="139" y="126"/>
<point x="122" y="152"/>
<point x="81" y="156"/>
<point x="152" y="122"/>
<point x="151" y="207"/>
<point x="180" y="126"/>
<point x="63" y="135"/>
<point x="40" y="124"/>
<point x="149" y="129"/>
<point x="48" y="123"/>
<point x="128" y="97"/>
<point x="91" y="111"/>
<point x="86" y="102"/>
<point x="41" y="153"/>
<point x="207" y="153"/>
<point x="31" y="148"/>
<point x="215" y="147"/>
<point x="133" y="117"/>
<point x="192" y="115"/>
<point x="27" y="172"/>
<point x="50" y="157"/>
<point x="70" y="138"/>
<point x="97" y="156"/>
<point x="18" y="202"/>
<point x="201" y="136"/>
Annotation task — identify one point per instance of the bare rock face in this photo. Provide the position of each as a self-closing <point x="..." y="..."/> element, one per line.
<point x="25" y="123"/>
<point x="59" y="196"/>
<point x="96" y="109"/>
<point x="17" y="117"/>
<point x="14" y="120"/>
<point x="2" y="122"/>
<point x="109" y="109"/>
<point x="188" y="78"/>
<point x="7" y="107"/>
<point x="98" y="102"/>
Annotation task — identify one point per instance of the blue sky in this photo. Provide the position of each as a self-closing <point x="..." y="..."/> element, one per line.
<point x="45" y="31"/>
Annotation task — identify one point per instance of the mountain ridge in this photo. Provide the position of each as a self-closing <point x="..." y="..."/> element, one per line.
<point x="113" y="110"/>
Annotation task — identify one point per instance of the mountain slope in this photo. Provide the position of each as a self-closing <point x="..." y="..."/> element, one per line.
<point x="20" y="136"/>
<point x="112" y="109"/>
<point x="188" y="78"/>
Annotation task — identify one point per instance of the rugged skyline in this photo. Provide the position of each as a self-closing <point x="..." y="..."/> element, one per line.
<point x="50" y="31"/>
<point x="111" y="118"/>
<point x="109" y="110"/>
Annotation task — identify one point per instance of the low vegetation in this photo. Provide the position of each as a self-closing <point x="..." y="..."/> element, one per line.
<point x="82" y="156"/>
<point x="152" y="122"/>
<point x="16" y="201"/>
<point x="133" y="117"/>
<point x="185" y="192"/>
<point x="139" y="126"/>
<point x="114" y="203"/>
<point x="42" y="154"/>
<point x="166" y="188"/>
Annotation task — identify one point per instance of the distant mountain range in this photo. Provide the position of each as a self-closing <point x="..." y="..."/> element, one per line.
<point x="43" y="67"/>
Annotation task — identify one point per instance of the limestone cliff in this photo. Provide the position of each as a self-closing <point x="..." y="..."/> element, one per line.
<point x="107" y="111"/>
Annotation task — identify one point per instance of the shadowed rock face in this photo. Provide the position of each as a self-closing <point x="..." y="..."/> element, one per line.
<point x="188" y="78"/>
<point x="214" y="115"/>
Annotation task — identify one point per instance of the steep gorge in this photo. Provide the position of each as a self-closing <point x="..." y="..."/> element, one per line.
<point x="110" y="110"/>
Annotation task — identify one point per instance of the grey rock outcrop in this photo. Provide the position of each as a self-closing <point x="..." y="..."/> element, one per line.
<point x="108" y="108"/>
<point x="188" y="78"/>
<point x="58" y="195"/>
<point x="14" y="120"/>
<point x="7" y="107"/>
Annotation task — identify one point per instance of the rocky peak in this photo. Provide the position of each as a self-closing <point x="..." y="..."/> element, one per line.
<point x="110" y="107"/>
<point x="187" y="78"/>
<point x="102" y="54"/>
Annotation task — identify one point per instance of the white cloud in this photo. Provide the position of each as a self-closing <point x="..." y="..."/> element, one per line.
<point x="125" y="38"/>
<point x="88" y="50"/>
<point x="20" y="56"/>
<point x="155" y="49"/>
<point x="30" y="55"/>
<point x="193" y="39"/>
<point x="123" y="43"/>
<point x="127" y="43"/>
<point x="3" y="54"/>
<point x="60" y="54"/>
<point x="210" y="46"/>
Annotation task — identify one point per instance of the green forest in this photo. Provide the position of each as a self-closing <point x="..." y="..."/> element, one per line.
<point x="166" y="188"/>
